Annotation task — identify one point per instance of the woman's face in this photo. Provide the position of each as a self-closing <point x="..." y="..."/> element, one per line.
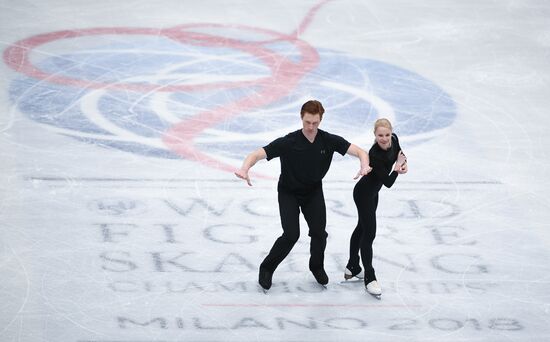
<point x="383" y="137"/>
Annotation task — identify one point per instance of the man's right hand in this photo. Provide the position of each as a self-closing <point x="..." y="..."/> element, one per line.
<point x="243" y="175"/>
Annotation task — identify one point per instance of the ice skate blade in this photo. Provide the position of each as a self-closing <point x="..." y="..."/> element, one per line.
<point x="324" y="287"/>
<point x="354" y="279"/>
<point x="375" y="295"/>
<point x="350" y="277"/>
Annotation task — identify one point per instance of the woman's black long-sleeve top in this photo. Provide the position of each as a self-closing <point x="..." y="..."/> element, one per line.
<point x="381" y="162"/>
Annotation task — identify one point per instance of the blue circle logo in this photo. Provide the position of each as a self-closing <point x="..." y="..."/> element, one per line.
<point x="212" y="91"/>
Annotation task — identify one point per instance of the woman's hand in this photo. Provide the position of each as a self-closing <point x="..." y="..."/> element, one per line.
<point x="401" y="163"/>
<point x="404" y="168"/>
<point x="401" y="159"/>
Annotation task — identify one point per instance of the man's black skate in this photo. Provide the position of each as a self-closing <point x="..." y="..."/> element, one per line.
<point x="264" y="278"/>
<point x="321" y="276"/>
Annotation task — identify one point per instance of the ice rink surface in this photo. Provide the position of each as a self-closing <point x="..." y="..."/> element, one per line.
<point x="121" y="123"/>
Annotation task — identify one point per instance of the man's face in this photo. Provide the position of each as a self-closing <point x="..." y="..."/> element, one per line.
<point x="310" y="122"/>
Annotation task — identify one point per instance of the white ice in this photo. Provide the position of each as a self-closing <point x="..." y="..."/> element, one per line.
<point x="135" y="242"/>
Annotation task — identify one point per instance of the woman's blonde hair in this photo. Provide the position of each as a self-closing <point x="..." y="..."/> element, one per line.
<point x="383" y="122"/>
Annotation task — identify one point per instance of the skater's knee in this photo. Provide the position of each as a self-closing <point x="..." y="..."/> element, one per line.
<point x="368" y="238"/>
<point x="371" y="238"/>
<point x="291" y="238"/>
<point x="318" y="234"/>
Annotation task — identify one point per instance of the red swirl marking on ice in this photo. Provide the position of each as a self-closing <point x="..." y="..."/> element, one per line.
<point x="17" y="56"/>
<point x="285" y="74"/>
<point x="308" y="18"/>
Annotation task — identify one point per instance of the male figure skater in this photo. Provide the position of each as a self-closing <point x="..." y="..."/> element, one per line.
<point x="305" y="155"/>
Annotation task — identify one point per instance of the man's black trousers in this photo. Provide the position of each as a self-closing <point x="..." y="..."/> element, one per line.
<point x="312" y="206"/>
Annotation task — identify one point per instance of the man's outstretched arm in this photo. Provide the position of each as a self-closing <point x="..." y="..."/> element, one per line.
<point x="249" y="161"/>
<point x="363" y="156"/>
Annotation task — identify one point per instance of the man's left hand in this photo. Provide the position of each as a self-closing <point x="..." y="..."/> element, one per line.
<point x="363" y="172"/>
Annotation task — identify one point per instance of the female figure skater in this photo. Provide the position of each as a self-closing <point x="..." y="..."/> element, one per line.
<point x="383" y="154"/>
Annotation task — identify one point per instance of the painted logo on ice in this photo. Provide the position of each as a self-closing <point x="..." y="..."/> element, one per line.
<point x="209" y="92"/>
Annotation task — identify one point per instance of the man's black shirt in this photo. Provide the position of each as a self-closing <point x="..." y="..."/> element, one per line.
<point x="304" y="163"/>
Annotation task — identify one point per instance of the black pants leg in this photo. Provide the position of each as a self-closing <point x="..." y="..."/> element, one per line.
<point x="314" y="210"/>
<point x="354" y="246"/>
<point x="364" y="234"/>
<point x="315" y="213"/>
<point x="289" y="210"/>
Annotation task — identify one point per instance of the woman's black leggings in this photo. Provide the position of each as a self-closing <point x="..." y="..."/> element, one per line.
<point x="366" y="201"/>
